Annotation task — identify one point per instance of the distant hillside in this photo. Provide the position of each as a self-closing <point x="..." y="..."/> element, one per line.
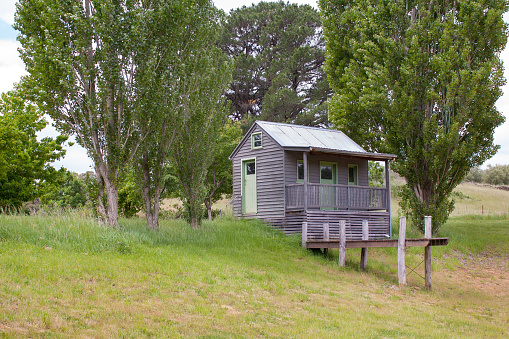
<point x="472" y="199"/>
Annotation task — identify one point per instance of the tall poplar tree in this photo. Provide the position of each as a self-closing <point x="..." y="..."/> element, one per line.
<point x="202" y="113"/>
<point x="176" y="34"/>
<point x="418" y="79"/>
<point x="79" y="54"/>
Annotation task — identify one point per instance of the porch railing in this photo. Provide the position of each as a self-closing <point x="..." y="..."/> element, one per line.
<point x="341" y="197"/>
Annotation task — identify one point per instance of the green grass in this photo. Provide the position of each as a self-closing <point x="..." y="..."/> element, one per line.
<point x="65" y="276"/>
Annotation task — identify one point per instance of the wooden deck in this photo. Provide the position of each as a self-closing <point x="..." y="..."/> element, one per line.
<point x="317" y="243"/>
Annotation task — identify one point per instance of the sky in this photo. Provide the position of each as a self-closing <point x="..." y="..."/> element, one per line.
<point x="77" y="160"/>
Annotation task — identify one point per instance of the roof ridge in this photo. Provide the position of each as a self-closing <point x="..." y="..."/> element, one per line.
<point x="298" y="126"/>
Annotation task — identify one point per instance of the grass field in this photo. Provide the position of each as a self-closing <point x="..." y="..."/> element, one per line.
<point x="65" y="276"/>
<point x="470" y="199"/>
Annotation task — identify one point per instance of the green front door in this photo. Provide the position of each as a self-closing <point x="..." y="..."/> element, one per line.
<point x="249" y="186"/>
<point x="328" y="175"/>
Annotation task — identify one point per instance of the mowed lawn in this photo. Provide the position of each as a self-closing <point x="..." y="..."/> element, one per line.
<point x="66" y="276"/>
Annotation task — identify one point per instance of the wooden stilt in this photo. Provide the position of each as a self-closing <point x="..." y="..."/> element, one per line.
<point x="304" y="234"/>
<point x="427" y="254"/>
<point x="342" y="243"/>
<point x="364" y="250"/>
<point x="401" y="252"/>
<point x="326" y="231"/>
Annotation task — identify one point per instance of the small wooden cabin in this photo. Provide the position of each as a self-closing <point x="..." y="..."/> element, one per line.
<point x="288" y="174"/>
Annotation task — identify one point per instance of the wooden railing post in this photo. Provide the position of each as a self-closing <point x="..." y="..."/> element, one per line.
<point x="304" y="234"/>
<point x="342" y="242"/>
<point x="364" y="250"/>
<point x="305" y="165"/>
<point x="427" y="254"/>
<point x="401" y="252"/>
<point x="388" y="192"/>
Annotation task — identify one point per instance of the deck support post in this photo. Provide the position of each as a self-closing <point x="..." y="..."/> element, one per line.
<point x="427" y="254"/>
<point x="364" y="250"/>
<point x="325" y="235"/>
<point x="326" y="231"/>
<point x="401" y="252"/>
<point x="342" y="243"/>
<point x="304" y="234"/>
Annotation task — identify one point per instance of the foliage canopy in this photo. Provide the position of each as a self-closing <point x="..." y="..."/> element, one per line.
<point x="418" y="79"/>
<point x="25" y="162"/>
<point x="278" y="50"/>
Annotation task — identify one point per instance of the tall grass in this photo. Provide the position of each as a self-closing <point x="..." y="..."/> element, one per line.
<point x="64" y="275"/>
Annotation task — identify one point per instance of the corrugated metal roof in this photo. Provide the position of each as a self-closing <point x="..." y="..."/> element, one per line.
<point x="289" y="136"/>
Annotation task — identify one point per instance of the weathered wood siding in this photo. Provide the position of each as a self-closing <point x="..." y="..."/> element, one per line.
<point x="270" y="188"/>
<point x="378" y="224"/>
<point x="314" y="168"/>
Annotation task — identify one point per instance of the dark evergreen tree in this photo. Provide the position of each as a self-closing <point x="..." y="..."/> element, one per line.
<point x="279" y="52"/>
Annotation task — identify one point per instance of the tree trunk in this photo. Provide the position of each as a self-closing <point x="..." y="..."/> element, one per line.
<point x="151" y="199"/>
<point x="103" y="174"/>
<point x="112" y="208"/>
<point x="208" y="205"/>
<point x="195" y="221"/>
<point x="101" y="211"/>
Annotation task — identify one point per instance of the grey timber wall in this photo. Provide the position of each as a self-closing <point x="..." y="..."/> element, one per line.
<point x="378" y="223"/>
<point x="270" y="188"/>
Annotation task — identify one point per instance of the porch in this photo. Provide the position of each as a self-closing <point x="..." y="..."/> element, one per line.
<point x="336" y="197"/>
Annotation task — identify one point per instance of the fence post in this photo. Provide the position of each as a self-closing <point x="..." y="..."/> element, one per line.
<point x="304" y="234"/>
<point x="401" y="252"/>
<point x="342" y="242"/>
<point x="364" y="250"/>
<point x="427" y="253"/>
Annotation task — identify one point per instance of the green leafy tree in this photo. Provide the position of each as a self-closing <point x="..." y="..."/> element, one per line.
<point x="25" y="162"/>
<point x="376" y="174"/>
<point x="80" y="56"/>
<point x="418" y="79"/>
<point x="219" y="178"/>
<point x="476" y="174"/>
<point x="68" y="190"/>
<point x="176" y="32"/>
<point x="497" y="175"/>
<point x="279" y="52"/>
<point x="203" y="114"/>
<point x="130" y="200"/>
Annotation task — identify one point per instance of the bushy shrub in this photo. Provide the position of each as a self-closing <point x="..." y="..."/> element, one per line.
<point x="493" y="175"/>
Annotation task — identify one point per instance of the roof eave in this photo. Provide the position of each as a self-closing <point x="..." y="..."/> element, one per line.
<point x="364" y="155"/>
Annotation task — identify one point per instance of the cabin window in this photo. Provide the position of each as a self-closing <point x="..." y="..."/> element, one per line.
<point x="256" y="140"/>
<point x="326" y="172"/>
<point x="353" y="175"/>
<point x="250" y="168"/>
<point x="300" y="171"/>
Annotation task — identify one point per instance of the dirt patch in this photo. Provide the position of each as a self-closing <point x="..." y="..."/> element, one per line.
<point x="486" y="273"/>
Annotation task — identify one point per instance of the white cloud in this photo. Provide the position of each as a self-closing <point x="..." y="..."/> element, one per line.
<point x="76" y="160"/>
<point x="11" y="66"/>
<point x="7" y="9"/>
